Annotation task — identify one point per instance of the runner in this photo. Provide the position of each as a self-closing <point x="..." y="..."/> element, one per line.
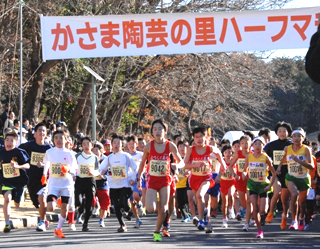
<point x="227" y="186"/>
<point x="38" y="193"/>
<point x="62" y="165"/>
<point x="158" y="173"/>
<point x="135" y="198"/>
<point x="214" y="192"/>
<point x="241" y="184"/>
<point x="121" y="170"/>
<point x="256" y="169"/>
<point x="198" y="159"/>
<point x="85" y="185"/>
<point x="71" y="206"/>
<point x="275" y="150"/>
<point x="102" y="191"/>
<point x="13" y="176"/>
<point x="298" y="157"/>
<point x="181" y="185"/>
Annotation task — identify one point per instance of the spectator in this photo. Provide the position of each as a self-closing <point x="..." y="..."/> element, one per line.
<point x="9" y="122"/>
<point x="5" y="114"/>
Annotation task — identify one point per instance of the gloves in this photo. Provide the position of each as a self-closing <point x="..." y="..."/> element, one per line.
<point x="44" y="180"/>
<point x="64" y="169"/>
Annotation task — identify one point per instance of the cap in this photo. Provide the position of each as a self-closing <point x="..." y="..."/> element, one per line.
<point x="107" y="142"/>
<point x="23" y="130"/>
<point x="261" y="139"/>
<point x="62" y="123"/>
<point x="7" y="104"/>
<point x="298" y="131"/>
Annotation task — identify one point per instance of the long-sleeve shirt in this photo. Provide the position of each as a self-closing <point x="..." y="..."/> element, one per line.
<point x="53" y="160"/>
<point x="121" y="169"/>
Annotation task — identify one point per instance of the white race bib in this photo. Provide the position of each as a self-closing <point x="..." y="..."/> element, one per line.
<point x="9" y="172"/>
<point x="241" y="163"/>
<point x="119" y="172"/>
<point x="36" y="157"/>
<point x="83" y="170"/>
<point x="204" y="170"/>
<point x="158" y="168"/>
<point x="277" y="156"/>
<point x="56" y="172"/>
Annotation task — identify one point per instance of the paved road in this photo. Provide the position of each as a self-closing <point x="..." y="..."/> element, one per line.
<point x="182" y="236"/>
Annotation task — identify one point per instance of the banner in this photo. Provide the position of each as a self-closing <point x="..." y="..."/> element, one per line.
<point x="66" y="37"/>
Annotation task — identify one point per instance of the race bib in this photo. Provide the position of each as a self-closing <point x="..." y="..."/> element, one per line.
<point x="214" y="165"/>
<point x="83" y="170"/>
<point x="277" y="156"/>
<point x="204" y="170"/>
<point x="297" y="170"/>
<point x="36" y="157"/>
<point x="119" y="172"/>
<point x="318" y="168"/>
<point x="9" y="172"/>
<point x="56" y="172"/>
<point x="227" y="175"/>
<point x="241" y="163"/>
<point x="158" y="168"/>
<point x="258" y="174"/>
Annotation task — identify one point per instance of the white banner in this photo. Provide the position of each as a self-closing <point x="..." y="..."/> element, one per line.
<point x="66" y="37"/>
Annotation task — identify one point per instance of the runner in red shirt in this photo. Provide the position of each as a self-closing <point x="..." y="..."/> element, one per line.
<point x="158" y="173"/>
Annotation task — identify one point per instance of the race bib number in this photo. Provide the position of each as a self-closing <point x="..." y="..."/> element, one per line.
<point x="318" y="168"/>
<point x="204" y="170"/>
<point x="84" y="171"/>
<point x="119" y="172"/>
<point x="241" y="163"/>
<point x="277" y="156"/>
<point x="9" y="172"/>
<point x="296" y="169"/>
<point x="227" y="175"/>
<point x="214" y="165"/>
<point x="56" y="172"/>
<point x="258" y="174"/>
<point x="36" y="157"/>
<point x="158" y="168"/>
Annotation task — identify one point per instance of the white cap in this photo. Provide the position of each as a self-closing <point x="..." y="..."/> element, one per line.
<point x="261" y="139"/>
<point x="301" y="132"/>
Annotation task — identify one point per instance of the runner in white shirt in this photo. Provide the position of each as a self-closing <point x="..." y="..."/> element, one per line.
<point x="61" y="164"/>
<point x="135" y="198"/>
<point x="121" y="170"/>
<point x="88" y="168"/>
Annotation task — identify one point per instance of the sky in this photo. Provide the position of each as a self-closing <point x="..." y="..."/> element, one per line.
<point x="296" y="52"/>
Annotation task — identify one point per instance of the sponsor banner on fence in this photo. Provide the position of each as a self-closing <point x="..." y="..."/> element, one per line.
<point x="66" y="37"/>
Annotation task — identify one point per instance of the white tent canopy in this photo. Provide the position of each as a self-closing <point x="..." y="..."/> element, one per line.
<point x="235" y="135"/>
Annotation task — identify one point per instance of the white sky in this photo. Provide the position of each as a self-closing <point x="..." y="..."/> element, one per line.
<point x="296" y="52"/>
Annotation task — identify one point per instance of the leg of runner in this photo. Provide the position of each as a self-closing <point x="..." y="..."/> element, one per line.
<point x="248" y="213"/>
<point x="201" y="202"/>
<point x="302" y="207"/>
<point x="224" y="199"/>
<point x="274" y="200"/>
<point x="285" y="196"/>
<point x="294" y="204"/>
<point x="7" y="210"/>
<point x="255" y="210"/>
<point x="192" y="207"/>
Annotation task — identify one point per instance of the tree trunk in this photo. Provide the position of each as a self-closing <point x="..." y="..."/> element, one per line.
<point x="78" y="113"/>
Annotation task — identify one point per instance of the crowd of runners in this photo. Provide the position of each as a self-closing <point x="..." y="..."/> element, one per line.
<point x="247" y="180"/>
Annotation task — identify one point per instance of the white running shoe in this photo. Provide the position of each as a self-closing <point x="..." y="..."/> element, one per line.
<point x="225" y="223"/>
<point x="232" y="215"/>
<point x="72" y="226"/>
<point x="245" y="228"/>
<point x="174" y="214"/>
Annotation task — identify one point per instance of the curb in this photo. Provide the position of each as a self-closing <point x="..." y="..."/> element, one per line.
<point x="27" y="221"/>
